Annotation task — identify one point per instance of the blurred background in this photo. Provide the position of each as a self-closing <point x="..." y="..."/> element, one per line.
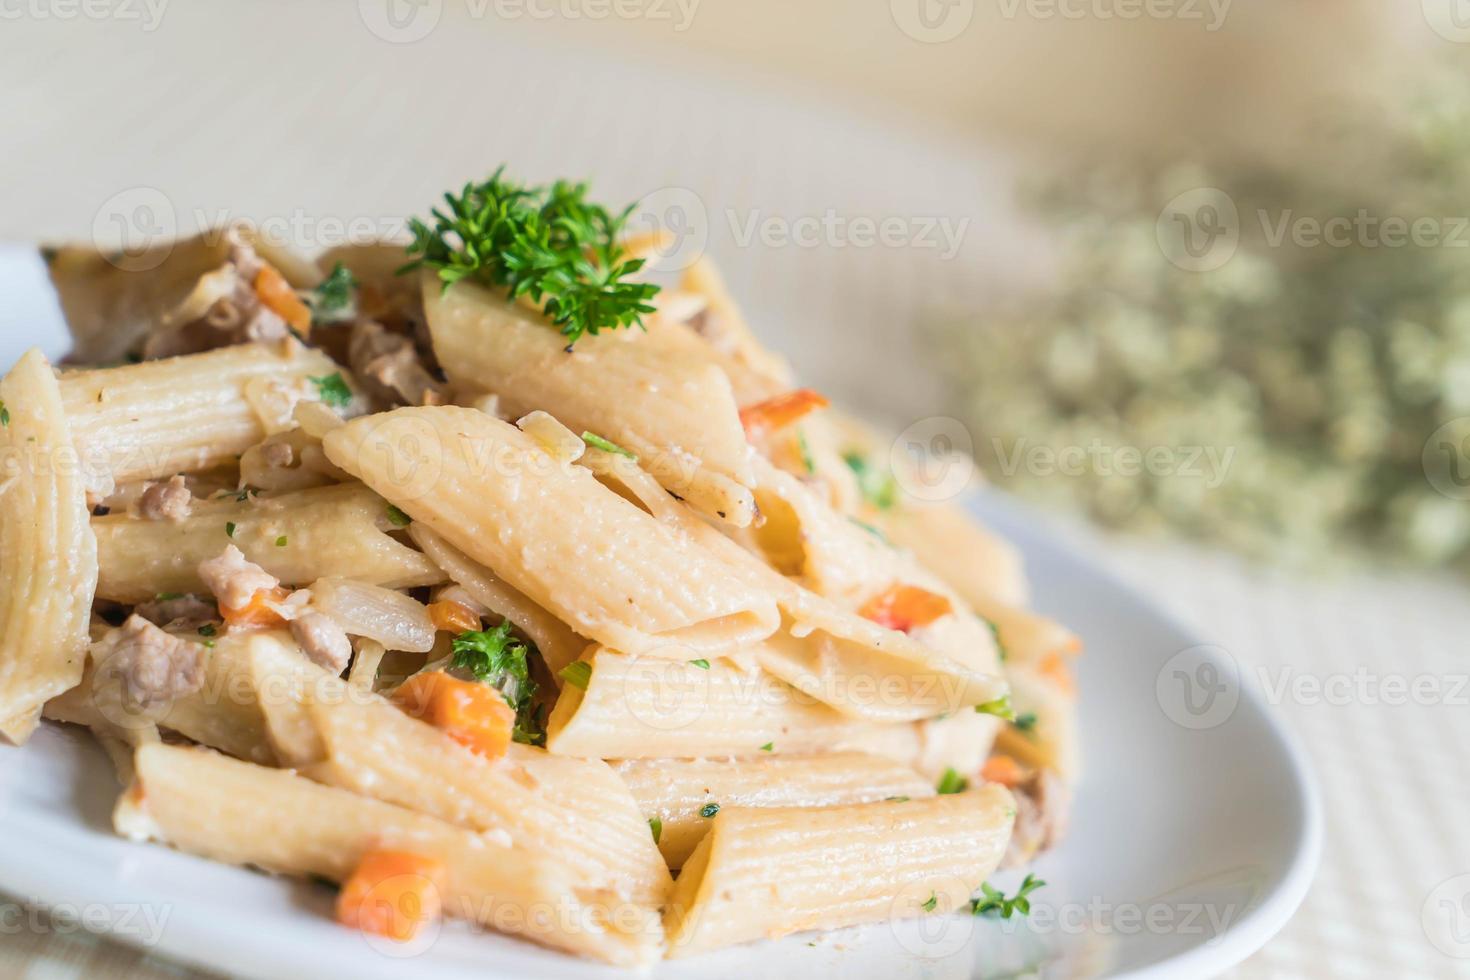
<point x="1193" y="274"/>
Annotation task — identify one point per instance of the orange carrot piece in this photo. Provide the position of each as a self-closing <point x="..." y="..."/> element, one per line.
<point x="256" y="612"/>
<point x="763" y="418"/>
<point x="905" y="607"/>
<point x="1002" y="769"/>
<point x="456" y="617"/>
<point x="276" y="293"/>
<point x="474" y="715"/>
<point x="393" y="894"/>
<point x="1055" y="669"/>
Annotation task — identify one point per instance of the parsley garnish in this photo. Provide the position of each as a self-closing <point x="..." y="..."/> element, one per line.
<point x="1025" y="722"/>
<point x="768" y="747"/>
<point x="606" y="445"/>
<point x="895" y="799"/>
<point x="655" y="827"/>
<point x="933" y="902"/>
<point x="878" y="486"/>
<point x="4" y="415"/>
<point x="333" y="390"/>
<point x="230" y="528"/>
<point x="807" y="463"/>
<point x="397" y="517"/>
<point x="994" y="902"/>
<point x="1000" y="707"/>
<point x="208" y="629"/>
<point x="578" y="673"/>
<point x="281" y="541"/>
<point x="496" y="658"/>
<point x="709" y="810"/>
<point x="702" y="664"/>
<point x="995" y="632"/>
<point x="168" y="596"/>
<point x="334" y="296"/>
<point x="547" y="243"/>
<point x="871" y="530"/>
<point x="951" y="782"/>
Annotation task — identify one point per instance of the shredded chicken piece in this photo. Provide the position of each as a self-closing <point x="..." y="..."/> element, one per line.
<point x="322" y="640"/>
<point x="233" y="580"/>
<point x="387" y="364"/>
<point x="1043" y="803"/>
<point x="278" y="455"/>
<point x="222" y="310"/>
<point x="169" y="501"/>
<point x="182" y="614"/>
<point x="152" y="667"/>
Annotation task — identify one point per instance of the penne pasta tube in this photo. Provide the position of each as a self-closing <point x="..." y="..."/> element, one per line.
<point x="975" y="562"/>
<point x="242" y="814"/>
<point x="764" y="873"/>
<point x="576" y="811"/>
<point x="182" y="414"/>
<point x="223" y="713"/>
<point x="494" y="493"/>
<point x="555" y="640"/>
<point x="298" y="537"/>
<point x="666" y="401"/>
<point x="677" y="792"/>
<point x="1027" y="637"/>
<point x="48" y="555"/>
<point x="652" y="708"/>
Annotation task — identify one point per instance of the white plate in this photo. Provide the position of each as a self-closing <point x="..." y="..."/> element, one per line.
<point x="1195" y="833"/>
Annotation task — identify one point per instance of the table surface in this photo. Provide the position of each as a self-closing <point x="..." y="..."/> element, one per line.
<point x="95" y="111"/>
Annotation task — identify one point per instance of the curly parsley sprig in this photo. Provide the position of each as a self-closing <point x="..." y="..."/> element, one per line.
<point x="994" y="902"/>
<point x="546" y="243"/>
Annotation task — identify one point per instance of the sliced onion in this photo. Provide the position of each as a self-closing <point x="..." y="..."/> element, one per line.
<point x="391" y="618"/>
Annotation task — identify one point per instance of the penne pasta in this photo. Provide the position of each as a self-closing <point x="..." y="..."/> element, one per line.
<point x="676" y="791"/>
<point x="183" y="414"/>
<point x="48" y="555"/>
<point x="763" y="873"/>
<point x="238" y="813"/>
<point x="664" y="401"/>
<point x="574" y="811"/>
<point x="640" y="586"/>
<point x="976" y="563"/>
<point x="298" y="537"/>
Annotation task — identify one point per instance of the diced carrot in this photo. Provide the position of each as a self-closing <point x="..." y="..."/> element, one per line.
<point x="763" y="418"/>
<point x="1002" y="769"/>
<point x="474" y="715"/>
<point x="455" y="617"/>
<point x="393" y="894"/>
<point x="905" y="607"/>
<point x="1055" y="669"/>
<point x="276" y="293"/>
<point x="257" y="612"/>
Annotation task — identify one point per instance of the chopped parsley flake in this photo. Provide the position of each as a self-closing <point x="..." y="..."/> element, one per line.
<point x="606" y="445"/>
<point x="168" y="596"/>
<point x="871" y="530"/>
<point x="709" y="810"/>
<point x="951" y="782"/>
<point x="933" y="902"/>
<point x="334" y="296"/>
<point x="578" y="674"/>
<point x="496" y="658"/>
<point x="768" y="747"/>
<point x="333" y="390"/>
<point x="877" y="486"/>
<point x="281" y="541"/>
<point x="995" y="632"/>
<point x="807" y="463"/>
<point x="208" y="629"/>
<point x="994" y="902"/>
<point x="655" y="827"/>
<point x="895" y="799"/>
<point x="230" y="528"/>
<point x="1026" y="722"/>
<point x="4" y="414"/>
<point x="1000" y="707"/>
<point x="397" y="517"/>
<point x="702" y="664"/>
